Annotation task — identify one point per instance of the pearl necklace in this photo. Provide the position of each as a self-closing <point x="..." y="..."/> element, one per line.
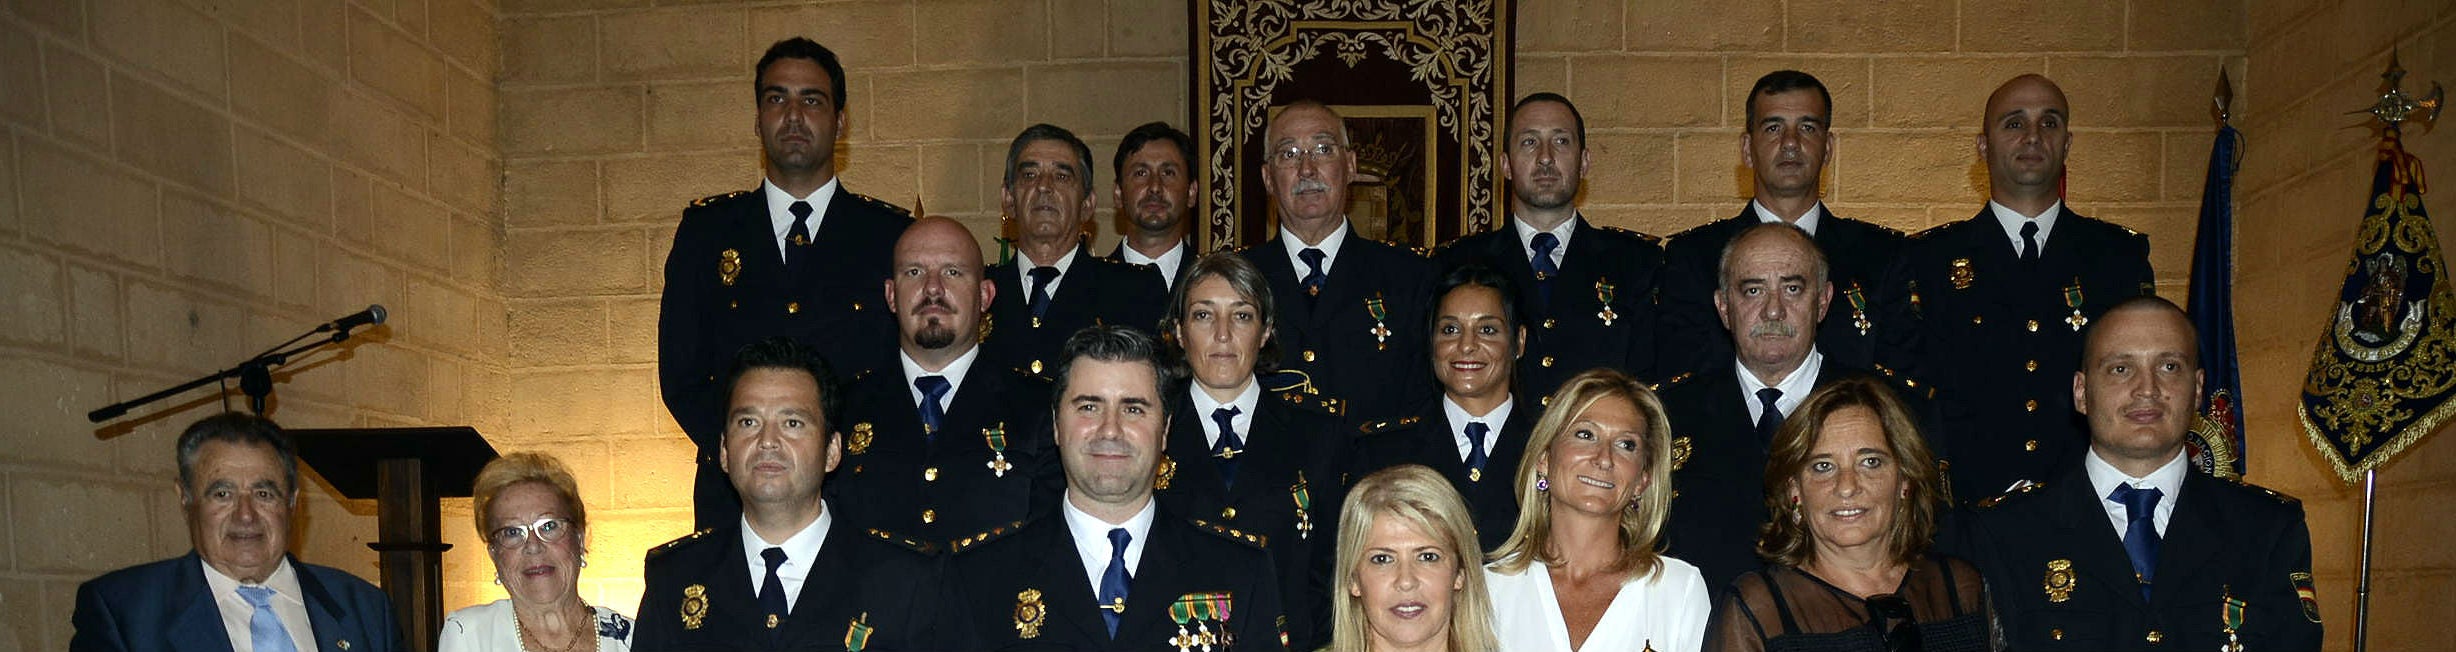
<point x="521" y="636"/>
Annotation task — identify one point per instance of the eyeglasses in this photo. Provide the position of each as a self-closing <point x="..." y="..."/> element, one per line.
<point x="547" y="530"/>
<point x="1288" y="156"/>
<point x="1903" y="636"/>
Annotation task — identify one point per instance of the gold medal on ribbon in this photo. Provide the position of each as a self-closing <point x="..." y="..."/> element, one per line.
<point x="1164" y="472"/>
<point x="1030" y="614"/>
<point x="862" y="434"/>
<point x="1603" y="295"/>
<point x="1680" y="450"/>
<point x="1304" y="507"/>
<point x="728" y="266"/>
<point x="2230" y="617"/>
<point x="2072" y="299"/>
<point x="857" y="635"/>
<point x="1859" y="308"/>
<point x="1962" y="275"/>
<point x="694" y="606"/>
<point x="1380" y="313"/>
<point x="2060" y="580"/>
<point x="996" y="436"/>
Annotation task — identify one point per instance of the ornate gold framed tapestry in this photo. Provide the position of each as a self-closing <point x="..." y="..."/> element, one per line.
<point x="1423" y="86"/>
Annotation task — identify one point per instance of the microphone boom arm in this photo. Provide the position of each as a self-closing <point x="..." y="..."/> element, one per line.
<point x="255" y="374"/>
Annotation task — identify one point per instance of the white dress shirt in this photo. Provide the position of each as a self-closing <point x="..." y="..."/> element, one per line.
<point x="780" y="209"/>
<point x="1167" y="262"/>
<point x="1526" y="238"/>
<point x="1329" y="246"/>
<point x="1459" y="418"/>
<point x="2011" y="221"/>
<point x="1245" y="402"/>
<point x="289" y="604"/>
<point x="1666" y="612"/>
<point x="2104" y="477"/>
<point x="1091" y="538"/>
<point x="1807" y="221"/>
<point x="800" y="550"/>
<point x="1024" y="265"/>
<point x="1795" y="387"/>
<point x="954" y="372"/>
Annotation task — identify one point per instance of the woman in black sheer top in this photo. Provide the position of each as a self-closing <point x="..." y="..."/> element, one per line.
<point x="1855" y="494"/>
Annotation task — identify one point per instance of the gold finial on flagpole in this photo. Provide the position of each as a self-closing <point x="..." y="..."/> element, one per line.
<point x="2223" y="100"/>
<point x="2395" y="107"/>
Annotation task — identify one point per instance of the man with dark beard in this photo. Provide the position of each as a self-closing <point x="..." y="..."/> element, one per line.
<point x="1586" y="291"/>
<point x="1156" y="191"/>
<point x="936" y="445"/>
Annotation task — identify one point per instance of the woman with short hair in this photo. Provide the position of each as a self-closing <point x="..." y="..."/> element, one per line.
<point x="536" y="529"/>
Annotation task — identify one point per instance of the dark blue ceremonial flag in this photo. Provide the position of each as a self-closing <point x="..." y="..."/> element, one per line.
<point x="2216" y="441"/>
<point x="2384" y="376"/>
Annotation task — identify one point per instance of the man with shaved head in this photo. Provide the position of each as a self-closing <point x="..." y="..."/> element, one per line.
<point x="1991" y="309"/>
<point x="936" y="444"/>
<point x="2133" y="548"/>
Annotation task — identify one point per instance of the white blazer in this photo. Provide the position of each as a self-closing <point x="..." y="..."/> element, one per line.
<point x="1666" y="614"/>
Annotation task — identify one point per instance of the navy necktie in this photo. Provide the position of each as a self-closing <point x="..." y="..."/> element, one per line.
<point x="933" y="416"/>
<point x="800" y="235"/>
<point x="1544" y="243"/>
<point x="1041" y="276"/>
<point x="1314" y="278"/>
<point x="264" y="627"/>
<point x="2029" y="241"/>
<point x="2140" y="531"/>
<point x="1770" y="419"/>
<point x="772" y="589"/>
<point x="1475" y="450"/>
<point x="1229" y="443"/>
<point x="1113" y="581"/>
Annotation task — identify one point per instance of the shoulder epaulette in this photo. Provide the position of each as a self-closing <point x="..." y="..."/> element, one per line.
<point x="1232" y="534"/>
<point x="711" y="199"/>
<point x="2026" y="487"/>
<point x="1911" y="385"/>
<point x="670" y="546"/>
<point x="992" y="534"/>
<point x="1932" y="231"/>
<point x="1420" y="251"/>
<point x="908" y="543"/>
<point x="881" y="203"/>
<point x="1642" y="237"/>
<point x="1387" y="425"/>
<point x="1314" y="402"/>
<point x="1675" y="381"/>
<point x="2281" y="497"/>
<point x="864" y="374"/>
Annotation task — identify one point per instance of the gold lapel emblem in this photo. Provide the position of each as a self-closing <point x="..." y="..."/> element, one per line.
<point x="1164" y="472"/>
<point x="862" y="434"/>
<point x="1962" y="276"/>
<point x="728" y="266"/>
<point x="1029" y="614"/>
<point x="2060" y="580"/>
<point x="694" y="606"/>
<point x="1680" y="449"/>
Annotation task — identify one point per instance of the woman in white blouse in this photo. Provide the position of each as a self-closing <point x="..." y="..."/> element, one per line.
<point x="1581" y="571"/>
<point x="536" y="529"/>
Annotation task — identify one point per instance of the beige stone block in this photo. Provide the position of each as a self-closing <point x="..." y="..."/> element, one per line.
<point x="272" y="89"/>
<point x="656" y="473"/>
<point x="961" y="104"/>
<point x="2114" y="167"/>
<point x="469" y="108"/>
<point x="1942" y="91"/>
<point x="566" y="262"/>
<point x="413" y="229"/>
<point x="1147" y="29"/>
<point x="583" y="402"/>
<point x="1540" y="74"/>
<point x="2137" y="91"/>
<point x="168" y="39"/>
<point x="693" y="44"/>
<point x="169" y="136"/>
<point x="88" y="206"/>
<point x="463" y="177"/>
<point x="1629" y="168"/>
<point x="211" y="244"/>
<point x="32" y="309"/>
<point x="1845" y="78"/>
<point x="477" y="252"/>
<point x="294" y="266"/>
<point x="547" y="193"/>
<point x="64" y="18"/>
<point x="1847" y="26"/>
<point x="1908" y="167"/>
<point x="1570" y="26"/>
<point x="444" y="397"/>
<point x="1104" y="98"/>
<point x="387" y="378"/>
<point x="2041" y="25"/>
<point x="631" y="330"/>
<point x="567" y="121"/>
<point x="886" y="172"/>
<point x="2187" y="25"/>
<point x="283" y="179"/>
<point x="181" y="330"/>
<point x="21" y="79"/>
<point x="863" y="34"/>
<point x="57" y="532"/>
<point x="378" y="139"/>
<point x="1625" y="91"/>
<point x="79" y="94"/>
<point x="629" y="532"/>
<point x="1710" y="170"/>
<point x="655" y="189"/>
<point x="273" y="21"/>
<point x="548" y="49"/>
<point x="322" y="38"/>
<point x="511" y="7"/>
<point x="395" y="64"/>
<point x="1021" y="36"/>
<point x="558" y="332"/>
<point x="1733" y="26"/>
<point x="93" y="312"/>
<point x="346" y="282"/>
<point x="464" y="31"/>
<point x="683" y="116"/>
<point x="354" y="208"/>
<point x="952" y="178"/>
<point x="1078" y="29"/>
<point x="10" y="219"/>
<point x="26" y="606"/>
<point x="1652" y="220"/>
<point x="442" y="315"/>
<point x="2170" y="230"/>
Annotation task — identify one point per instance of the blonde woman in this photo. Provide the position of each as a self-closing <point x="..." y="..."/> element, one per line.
<point x="536" y="531"/>
<point x="1582" y="571"/>
<point x="1406" y="570"/>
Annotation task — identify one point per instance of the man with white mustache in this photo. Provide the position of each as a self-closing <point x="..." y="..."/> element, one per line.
<point x="1054" y="286"/>
<point x="1773" y="288"/>
<point x="1586" y="291"/>
<point x="939" y="444"/>
<point x="1991" y="308"/>
<point x="1156" y="192"/>
<point x="1788" y="139"/>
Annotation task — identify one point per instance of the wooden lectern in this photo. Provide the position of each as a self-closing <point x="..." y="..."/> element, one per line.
<point x="408" y="471"/>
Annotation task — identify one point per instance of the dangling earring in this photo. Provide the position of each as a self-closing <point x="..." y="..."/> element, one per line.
<point x="584" y="562"/>
<point x="1542" y="483"/>
<point x="498" y="580"/>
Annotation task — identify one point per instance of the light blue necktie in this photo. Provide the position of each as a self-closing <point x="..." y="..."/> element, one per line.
<point x="265" y="627"/>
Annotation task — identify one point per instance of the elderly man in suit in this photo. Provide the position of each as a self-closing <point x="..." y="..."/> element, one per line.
<point x="1055" y="286"/>
<point x="239" y="590"/>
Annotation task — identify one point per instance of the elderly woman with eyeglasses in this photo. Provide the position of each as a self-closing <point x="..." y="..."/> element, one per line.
<point x="536" y="530"/>
<point x="1854" y="495"/>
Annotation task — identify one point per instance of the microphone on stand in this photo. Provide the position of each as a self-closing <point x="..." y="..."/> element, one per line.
<point x="374" y="314"/>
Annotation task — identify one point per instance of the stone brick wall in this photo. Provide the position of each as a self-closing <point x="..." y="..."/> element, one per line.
<point x="185" y="183"/>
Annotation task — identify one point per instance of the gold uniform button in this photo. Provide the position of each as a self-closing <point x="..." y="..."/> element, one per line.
<point x="2156" y="637"/>
<point x="2030" y="406"/>
<point x="793" y="307"/>
<point x="1228" y="513"/>
<point x="1976" y="320"/>
<point x="1035" y="366"/>
<point x="2033" y="325"/>
<point x="1308" y="355"/>
<point x="1549" y="323"/>
<point x="856" y="306"/>
<point x="2030" y="446"/>
<point x="929" y="516"/>
<point x="733" y="305"/>
<point x="2057" y="633"/>
<point x="930" y="474"/>
<point x="2031" y="366"/>
<point x="771" y="621"/>
<point x="1547" y="362"/>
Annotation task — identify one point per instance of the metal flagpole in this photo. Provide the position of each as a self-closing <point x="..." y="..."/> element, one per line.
<point x="2362" y="590"/>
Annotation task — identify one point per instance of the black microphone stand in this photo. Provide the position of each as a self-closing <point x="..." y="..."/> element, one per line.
<point x="255" y="374"/>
